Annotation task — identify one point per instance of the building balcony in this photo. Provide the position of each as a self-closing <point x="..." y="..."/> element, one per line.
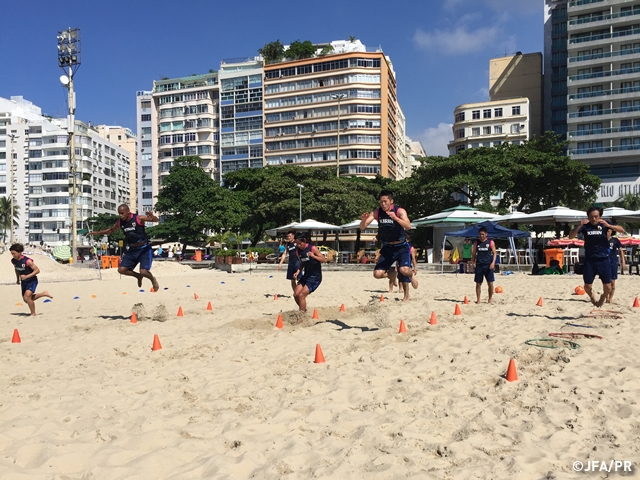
<point x="630" y="35"/>
<point x="602" y="133"/>
<point x="611" y="112"/>
<point x="587" y="98"/>
<point x="632" y="72"/>
<point x="582" y="6"/>
<point x="611" y="19"/>
<point x="615" y="151"/>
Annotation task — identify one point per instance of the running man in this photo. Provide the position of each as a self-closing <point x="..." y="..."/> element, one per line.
<point x="615" y="247"/>
<point x="26" y="276"/>
<point x="290" y="249"/>
<point x="596" y="252"/>
<point x="139" y="249"/>
<point x="483" y="256"/>
<point x="392" y="223"/>
<point x="309" y="272"/>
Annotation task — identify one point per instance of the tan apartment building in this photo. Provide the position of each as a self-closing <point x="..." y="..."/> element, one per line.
<point x="127" y="140"/>
<point x="305" y="101"/>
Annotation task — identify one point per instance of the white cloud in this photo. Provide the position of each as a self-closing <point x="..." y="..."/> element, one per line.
<point x="435" y="140"/>
<point x="458" y="41"/>
<point x="483" y="94"/>
<point x="520" y="7"/>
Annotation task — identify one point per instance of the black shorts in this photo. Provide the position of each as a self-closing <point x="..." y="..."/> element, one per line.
<point x="482" y="272"/>
<point x="597" y="266"/>
<point x="291" y="269"/>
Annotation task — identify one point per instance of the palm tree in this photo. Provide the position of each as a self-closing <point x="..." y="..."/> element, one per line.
<point x="5" y="216"/>
<point x="630" y="201"/>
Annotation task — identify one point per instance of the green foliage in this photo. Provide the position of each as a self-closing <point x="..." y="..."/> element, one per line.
<point x="103" y="221"/>
<point x="272" y="52"/>
<point x="299" y="50"/>
<point x="5" y="215"/>
<point x="326" y="50"/>
<point x="187" y="198"/>
<point x="630" y="201"/>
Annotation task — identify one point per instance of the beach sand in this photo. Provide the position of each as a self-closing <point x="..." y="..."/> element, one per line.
<point x="230" y="396"/>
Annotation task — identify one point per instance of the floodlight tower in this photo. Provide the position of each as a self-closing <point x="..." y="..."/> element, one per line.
<point x="69" y="62"/>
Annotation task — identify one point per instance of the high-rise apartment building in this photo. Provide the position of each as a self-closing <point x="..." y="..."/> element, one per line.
<point x="41" y="171"/>
<point x="415" y="151"/>
<point x="148" y="136"/>
<point x="124" y="138"/>
<point x="349" y="94"/>
<point x="489" y="124"/>
<point x="555" y="67"/>
<point x="241" y="114"/>
<point x="599" y="42"/>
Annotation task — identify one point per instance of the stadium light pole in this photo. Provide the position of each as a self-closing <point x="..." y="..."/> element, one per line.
<point x="69" y="62"/>
<point x="300" y="187"/>
<point x="338" y="96"/>
<point x="13" y="137"/>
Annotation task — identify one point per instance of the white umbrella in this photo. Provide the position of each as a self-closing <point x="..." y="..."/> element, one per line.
<point x="356" y="224"/>
<point x="307" y="225"/>
<point x="621" y="214"/>
<point x="555" y="215"/>
<point x="459" y="214"/>
<point x="513" y="217"/>
<point x="274" y="231"/>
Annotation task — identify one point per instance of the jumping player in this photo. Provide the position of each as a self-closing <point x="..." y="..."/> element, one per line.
<point x="392" y="223"/>
<point x="483" y="255"/>
<point x="596" y="250"/>
<point x="139" y="249"/>
<point x="309" y="272"/>
<point x="26" y="276"/>
<point x="290" y="249"/>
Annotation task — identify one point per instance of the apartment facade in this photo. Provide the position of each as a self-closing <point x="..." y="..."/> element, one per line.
<point x="41" y="170"/>
<point x="124" y="138"/>
<point x="555" y="67"/>
<point x="147" y="178"/>
<point x="603" y="86"/>
<point x="414" y="152"/>
<point x="489" y="124"/>
<point x="350" y="95"/>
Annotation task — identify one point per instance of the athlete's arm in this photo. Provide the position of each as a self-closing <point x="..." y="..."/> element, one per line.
<point x="108" y="231"/>
<point x="401" y="218"/>
<point x="315" y="253"/>
<point x="473" y="253"/>
<point x="615" y="228"/>
<point x="149" y="217"/>
<point x="493" y="249"/>
<point x="17" y="277"/>
<point x="622" y="262"/>
<point x="366" y="218"/>
<point x="284" y="254"/>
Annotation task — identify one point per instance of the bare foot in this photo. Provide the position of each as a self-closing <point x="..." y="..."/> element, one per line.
<point x="478" y="302"/>
<point x="33" y="315"/>
<point x="601" y="301"/>
<point x="489" y="302"/>
<point x="593" y="300"/>
<point x="406" y="299"/>
<point x="414" y="282"/>
<point x="391" y="289"/>
<point x="155" y="284"/>
<point x="46" y="294"/>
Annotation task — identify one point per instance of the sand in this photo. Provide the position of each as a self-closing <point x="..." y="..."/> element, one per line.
<point x="230" y="396"/>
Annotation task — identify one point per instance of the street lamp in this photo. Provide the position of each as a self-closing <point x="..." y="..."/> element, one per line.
<point x="69" y="62"/>
<point x="300" y="187"/>
<point x="13" y="137"/>
<point x="338" y="96"/>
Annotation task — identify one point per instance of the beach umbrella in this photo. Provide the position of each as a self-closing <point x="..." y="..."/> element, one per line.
<point x="274" y="231"/>
<point x="629" y="241"/>
<point x="305" y="226"/>
<point x="554" y="215"/>
<point x="356" y="223"/>
<point x="459" y="214"/>
<point x="513" y="217"/>
<point x="61" y="252"/>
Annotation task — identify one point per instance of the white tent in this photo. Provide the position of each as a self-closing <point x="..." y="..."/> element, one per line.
<point x="621" y="214"/>
<point x="459" y="215"/>
<point x="513" y="217"/>
<point x="305" y="226"/>
<point x="356" y="224"/>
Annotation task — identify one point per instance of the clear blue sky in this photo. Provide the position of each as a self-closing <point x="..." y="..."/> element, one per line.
<point x="440" y="49"/>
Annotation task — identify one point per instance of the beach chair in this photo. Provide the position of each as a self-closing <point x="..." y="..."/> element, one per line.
<point x="635" y="260"/>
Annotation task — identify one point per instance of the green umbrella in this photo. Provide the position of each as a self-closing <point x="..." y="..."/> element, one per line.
<point x="61" y="252"/>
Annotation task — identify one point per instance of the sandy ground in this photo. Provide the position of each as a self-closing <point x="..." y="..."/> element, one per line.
<point x="230" y="396"/>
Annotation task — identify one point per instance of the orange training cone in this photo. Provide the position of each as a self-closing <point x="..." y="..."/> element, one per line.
<point x="457" y="312"/>
<point x="275" y="297"/>
<point x="432" y="320"/>
<point x="156" y="343"/>
<point x="382" y="298"/>
<point x="315" y="314"/>
<point x="180" y="314"/>
<point x="209" y="307"/>
<point x="134" y="318"/>
<point x="466" y="300"/>
<point x="403" y="327"/>
<point x="539" y="304"/>
<point x="319" y="355"/>
<point x="342" y="309"/>
<point x="636" y="304"/>
<point x="16" y="336"/>
<point x="279" y="321"/>
<point x="511" y="376"/>
<point x="196" y="297"/>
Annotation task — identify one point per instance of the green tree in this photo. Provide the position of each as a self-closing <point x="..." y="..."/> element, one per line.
<point x="5" y="216"/>
<point x="326" y="50"/>
<point x="630" y="201"/>
<point x="185" y="200"/>
<point x="272" y="52"/>
<point x="103" y="221"/>
<point x="299" y="50"/>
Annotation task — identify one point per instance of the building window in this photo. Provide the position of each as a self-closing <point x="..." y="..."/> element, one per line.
<point x="147" y="194"/>
<point x="460" y="117"/>
<point x="475" y="131"/>
<point x="486" y="113"/>
<point x="460" y="133"/>
<point x="515" y="110"/>
<point x="475" y="114"/>
<point x="497" y="112"/>
<point x="515" y="128"/>
<point x="145" y="117"/>
<point x="486" y="130"/>
<point x="497" y="129"/>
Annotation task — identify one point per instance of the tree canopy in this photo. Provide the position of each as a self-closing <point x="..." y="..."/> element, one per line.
<point x="272" y="52"/>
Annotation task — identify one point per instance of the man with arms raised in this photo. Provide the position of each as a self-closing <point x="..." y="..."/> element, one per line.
<point x="139" y="249"/>
<point x="392" y="223"/>
<point x="596" y="252"/>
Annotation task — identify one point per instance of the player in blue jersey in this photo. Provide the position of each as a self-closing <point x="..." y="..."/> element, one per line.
<point x="26" y="276"/>
<point x="596" y="251"/>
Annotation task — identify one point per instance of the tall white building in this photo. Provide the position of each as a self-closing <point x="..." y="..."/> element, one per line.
<point x="42" y="172"/>
<point x="415" y="151"/>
